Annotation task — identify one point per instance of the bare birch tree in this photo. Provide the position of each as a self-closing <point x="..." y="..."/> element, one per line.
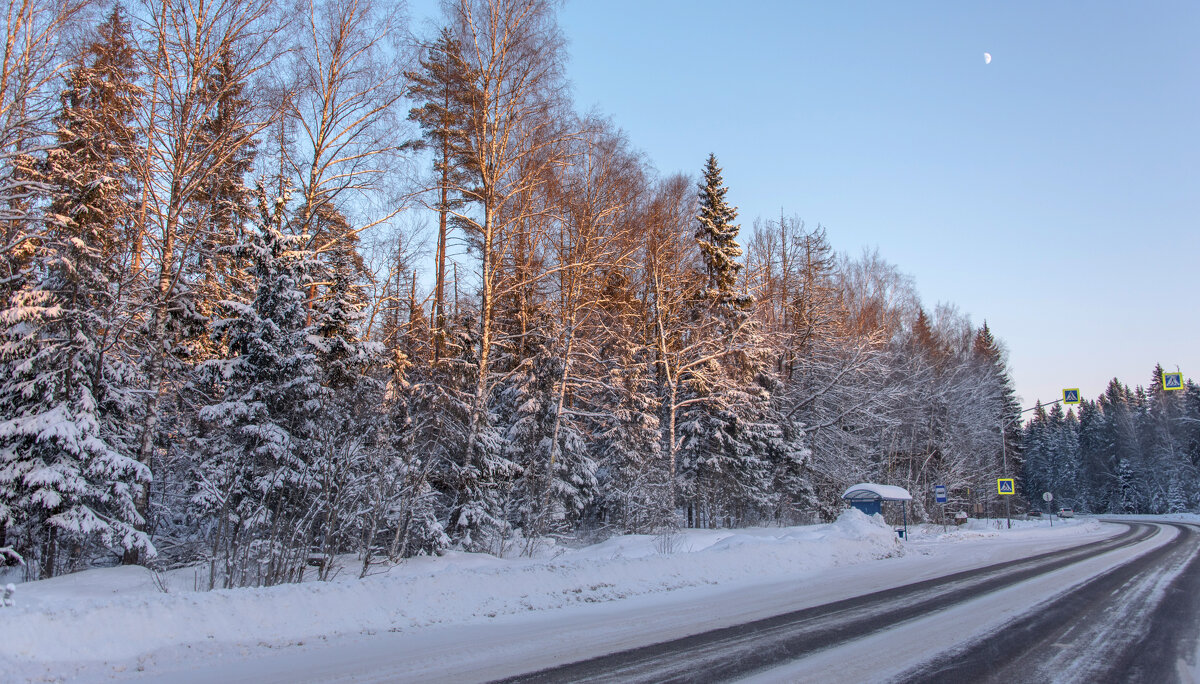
<point x="348" y="77"/>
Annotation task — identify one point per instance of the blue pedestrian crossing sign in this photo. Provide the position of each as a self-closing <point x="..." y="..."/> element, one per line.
<point x="1172" y="381"/>
<point x="1005" y="485"/>
<point x="1071" y="396"/>
<point x="940" y="492"/>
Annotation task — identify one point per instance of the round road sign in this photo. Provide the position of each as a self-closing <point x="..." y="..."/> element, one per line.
<point x="1047" y="497"/>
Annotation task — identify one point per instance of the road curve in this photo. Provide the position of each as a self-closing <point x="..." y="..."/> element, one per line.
<point x="1168" y="570"/>
<point x="1137" y="622"/>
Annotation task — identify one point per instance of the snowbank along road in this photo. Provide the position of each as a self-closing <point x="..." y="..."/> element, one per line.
<point x="1120" y="609"/>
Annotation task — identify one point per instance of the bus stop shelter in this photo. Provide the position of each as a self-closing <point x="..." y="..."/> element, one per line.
<point x="868" y="497"/>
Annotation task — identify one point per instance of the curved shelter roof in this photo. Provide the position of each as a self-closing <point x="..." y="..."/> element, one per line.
<point x="869" y="491"/>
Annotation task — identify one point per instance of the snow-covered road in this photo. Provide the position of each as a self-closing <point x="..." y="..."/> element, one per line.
<point x="1079" y="614"/>
<point x="844" y="601"/>
<point x="1127" y="615"/>
<point x="907" y="625"/>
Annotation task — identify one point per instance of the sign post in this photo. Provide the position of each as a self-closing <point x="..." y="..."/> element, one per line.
<point x="1048" y="497"/>
<point x="939" y="493"/>
<point x="1172" y="381"/>
<point x="1006" y="487"/>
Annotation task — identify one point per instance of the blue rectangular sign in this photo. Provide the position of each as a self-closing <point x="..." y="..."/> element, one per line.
<point x="940" y="492"/>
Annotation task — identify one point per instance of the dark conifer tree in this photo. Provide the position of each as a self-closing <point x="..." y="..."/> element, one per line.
<point x="1096" y="471"/>
<point x="223" y="205"/>
<point x="258" y="460"/>
<point x="67" y="479"/>
<point x="717" y="235"/>
<point x="1001" y="395"/>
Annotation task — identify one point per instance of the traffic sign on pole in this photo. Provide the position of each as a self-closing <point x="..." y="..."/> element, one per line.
<point x="1172" y="381"/>
<point x="1005" y="485"/>
<point x="939" y="491"/>
<point x="1071" y="396"/>
<point x="1047" y="497"/>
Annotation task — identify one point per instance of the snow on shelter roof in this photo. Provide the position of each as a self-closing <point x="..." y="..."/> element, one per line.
<point x="869" y="491"/>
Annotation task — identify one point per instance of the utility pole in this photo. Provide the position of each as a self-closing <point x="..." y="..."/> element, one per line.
<point x="1004" y="468"/>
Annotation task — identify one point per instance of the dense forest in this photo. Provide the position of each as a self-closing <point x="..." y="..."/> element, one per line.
<point x="281" y="282"/>
<point x="1125" y="452"/>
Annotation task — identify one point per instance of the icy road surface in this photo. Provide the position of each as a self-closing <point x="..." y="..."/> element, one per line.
<point x="843" y="602"/>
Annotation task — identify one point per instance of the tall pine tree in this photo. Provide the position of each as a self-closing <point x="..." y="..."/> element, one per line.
<point x="441" y="86"/>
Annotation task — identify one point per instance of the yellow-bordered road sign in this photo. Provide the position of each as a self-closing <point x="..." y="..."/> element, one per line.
<point x="1071" y="396"/>
<point x="1005" y="485"/>
<point x="1172" y="381"/>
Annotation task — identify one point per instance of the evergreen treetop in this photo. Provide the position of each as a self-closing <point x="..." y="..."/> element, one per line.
<point x="717" y="233"/>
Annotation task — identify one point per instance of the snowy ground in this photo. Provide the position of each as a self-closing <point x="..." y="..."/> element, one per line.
<point x="119" y="621"/>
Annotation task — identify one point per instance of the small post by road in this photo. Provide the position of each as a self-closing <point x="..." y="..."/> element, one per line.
<point x="1048" y="497"/>
<point x="939" y="494"/>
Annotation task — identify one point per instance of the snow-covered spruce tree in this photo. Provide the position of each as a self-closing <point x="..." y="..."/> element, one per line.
<point x="1117" y="450"/>
<point x="182" y="155"/>
<point x="66" y="476"/>
<point x="717" y="235"/>
<point x="257" y="471"/>
<point x="1036" y="446"/>
<point x="214" y="271"/>
<point x="399" y="510"/>
<point x="346" y="432"/>
<point x="1163" y="438"/>
<point x="62" y="484"/>
<point x="1067" y="483"/>
<point x="633" y="477"/>
<point x="725" y="479"/>
<point x="1096" y="473"/>
<point x="558" y="475"/>
<point x="428" y="429"/>
<point x="728" y="440"/>
<point x="403" y="501"/>
<point x="1190" y="416"/>
<point x="1000" y="395"/>
<point x="221" y="208"/>
<point x="37" y="36"/>
<point x="1063" y="451"/>
<point x="1127" y="496"/>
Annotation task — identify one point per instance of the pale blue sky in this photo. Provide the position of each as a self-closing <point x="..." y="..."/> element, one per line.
<point x="1054" y="192"/>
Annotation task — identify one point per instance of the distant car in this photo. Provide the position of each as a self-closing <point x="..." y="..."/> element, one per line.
<point x="1035" y="514"/>
<point x="1066" y="513"/>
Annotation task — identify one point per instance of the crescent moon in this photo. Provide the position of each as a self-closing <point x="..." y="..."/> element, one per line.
<point x="987" y="58"/>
